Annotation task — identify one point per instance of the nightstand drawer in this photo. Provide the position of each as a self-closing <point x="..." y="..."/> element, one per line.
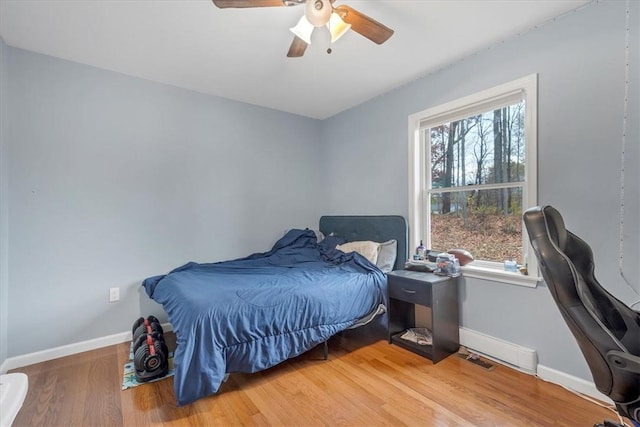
<point x="409" y="291"/>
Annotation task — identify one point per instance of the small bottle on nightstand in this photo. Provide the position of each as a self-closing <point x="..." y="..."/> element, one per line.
<point x="421" y="251"/>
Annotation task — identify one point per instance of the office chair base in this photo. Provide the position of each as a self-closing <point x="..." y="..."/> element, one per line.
<point x="609" y="423"/>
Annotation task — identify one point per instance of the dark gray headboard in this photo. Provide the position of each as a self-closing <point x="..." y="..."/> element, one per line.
<point x="378" y="228"/>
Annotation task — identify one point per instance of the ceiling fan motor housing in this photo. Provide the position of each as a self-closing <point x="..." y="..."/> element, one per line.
<point x="318" y="12"/>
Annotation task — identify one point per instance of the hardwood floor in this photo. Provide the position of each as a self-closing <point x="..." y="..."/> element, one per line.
<point x="361" y="384"/>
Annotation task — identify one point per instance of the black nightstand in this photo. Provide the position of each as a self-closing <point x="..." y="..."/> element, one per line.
<point x="440" y="293"/>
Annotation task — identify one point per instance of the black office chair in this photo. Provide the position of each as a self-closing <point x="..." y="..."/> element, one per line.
<point x="607" y="331"/>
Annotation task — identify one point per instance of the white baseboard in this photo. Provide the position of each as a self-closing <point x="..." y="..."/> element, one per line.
<point x="67" y="350"/>
<point x="515" y="355"/>
<point x="525" y="359"/>
<point x="574" y="383"/>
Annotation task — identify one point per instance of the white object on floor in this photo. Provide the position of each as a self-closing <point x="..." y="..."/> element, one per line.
<point x="13" y="390"/>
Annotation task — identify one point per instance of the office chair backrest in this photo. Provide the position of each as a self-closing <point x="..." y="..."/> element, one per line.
<point x="607" y="331"/>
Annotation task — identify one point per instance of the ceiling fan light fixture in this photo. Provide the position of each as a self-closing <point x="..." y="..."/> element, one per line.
<point x="337" y="27"/>
<point x="318" y="12"/>
<point x="303" y="30"/>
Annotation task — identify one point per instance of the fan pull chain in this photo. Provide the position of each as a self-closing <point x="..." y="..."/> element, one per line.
<point x="329" y="48"/>
<point x="623" y="148"/>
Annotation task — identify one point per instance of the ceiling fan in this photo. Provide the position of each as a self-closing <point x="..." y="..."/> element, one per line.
<point x="318" y="13"/>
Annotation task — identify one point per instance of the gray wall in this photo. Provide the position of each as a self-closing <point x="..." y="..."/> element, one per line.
<point x="580" y="62"/>
<point x="4" y="209"/>
<point x="114" y="179"/>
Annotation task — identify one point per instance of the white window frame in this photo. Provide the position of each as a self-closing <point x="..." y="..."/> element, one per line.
<point x="524" y="88"/>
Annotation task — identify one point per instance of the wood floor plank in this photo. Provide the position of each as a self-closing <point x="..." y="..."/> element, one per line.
<point x="362" y="383"/>
<point x="341" y="396"/>
<point x="103" y="373"/>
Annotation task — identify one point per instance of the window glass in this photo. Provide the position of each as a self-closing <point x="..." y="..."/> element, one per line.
<point x="476" y="221"/>
<point x="483" y="149"/>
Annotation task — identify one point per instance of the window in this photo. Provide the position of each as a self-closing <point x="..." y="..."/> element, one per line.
<point x="472" y="173"/>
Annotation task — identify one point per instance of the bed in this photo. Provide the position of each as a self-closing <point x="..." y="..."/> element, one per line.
<point x="249" y="314"/>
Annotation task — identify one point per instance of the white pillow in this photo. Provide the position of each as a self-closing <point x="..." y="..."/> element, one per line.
<point x="366" y="248"/>
<point x="387" y="256"/>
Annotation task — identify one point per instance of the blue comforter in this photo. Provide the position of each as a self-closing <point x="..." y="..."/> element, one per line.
<point x="252" y="313"/>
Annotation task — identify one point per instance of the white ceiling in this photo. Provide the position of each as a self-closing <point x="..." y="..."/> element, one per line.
<point x="241" y="53"/>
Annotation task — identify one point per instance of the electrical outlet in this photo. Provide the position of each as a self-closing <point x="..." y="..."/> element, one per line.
<point x="114" y="294"/>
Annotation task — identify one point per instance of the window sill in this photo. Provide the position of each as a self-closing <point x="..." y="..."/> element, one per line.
<point x="497" y="275"/>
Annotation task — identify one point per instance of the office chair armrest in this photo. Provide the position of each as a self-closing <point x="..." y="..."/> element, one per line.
<point x="624" y="361"/>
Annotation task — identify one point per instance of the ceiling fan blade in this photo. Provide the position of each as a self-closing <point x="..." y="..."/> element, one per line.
<point x="222" y="4"/>
<point x="362" y="24"/>
<point x="297" y="48"/>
